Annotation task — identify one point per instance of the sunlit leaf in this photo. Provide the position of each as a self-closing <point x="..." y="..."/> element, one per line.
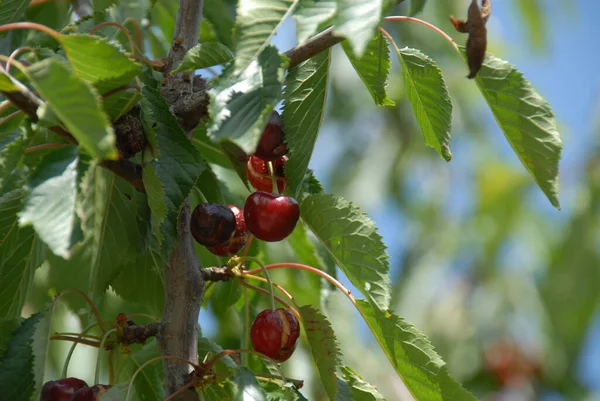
<point x="257" y="21"/>
<point x="50" y="203"/>
<point x="357" y="21"/>
<point x="352" y="240"/>
<point x="217" y="12"/>
<point x="373" y="67"/>
<point x="77" y="105"/>
<point x="204" y="55"/>
<point x="429" y="98"/>
<point x="310" y="15"/>
<point x="247" y="387"/>
<point x="304" y="102"/>
<point x="526" y="119"/>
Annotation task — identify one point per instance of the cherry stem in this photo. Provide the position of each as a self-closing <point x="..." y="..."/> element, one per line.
<point x="82" y="335"/>
<point x="31" y="25"/>
<point x="209" y="365"/>
<point x="247" y="247"/>
<point x="311" y="269"/>
<point x="200" y="195"/>
<point x="178" y="392"/>
<point x="70" y="354"/>
<point x="90" y="303"/>
<point x="280" y="300"/>
<point x="138" y="32"/>
<point x="280" y="288"/>
<point x="77" y="340"/>
<point x="267" y="275"/>
<point x="158" y="358"/>
<point x="273" y="179"/>
<point x="10" y="117"/>
<point x="14" y="55"/>
<point x="111" y="370"/>
<point x="246" y="334"/>
<point x="119" y="27"/>
<point x="418" y="21"/>
<point x="44" y="146"/>
<point x="119" y="89"/>
<point x="99" y="357"/>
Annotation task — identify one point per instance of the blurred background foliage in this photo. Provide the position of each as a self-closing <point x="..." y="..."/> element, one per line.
<point x="506" y="287"/>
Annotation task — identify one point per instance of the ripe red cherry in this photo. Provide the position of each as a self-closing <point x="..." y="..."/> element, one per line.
<point x="212" y="224"/>
<point x="271" y="217"/>
<point x="259" y="176"/>
<point x="93" y="393"/>
<point x="272" y="145"/>
<point x="239" y="239"/>
<point x="61" y="390"/>
<point x="275" y="333"/>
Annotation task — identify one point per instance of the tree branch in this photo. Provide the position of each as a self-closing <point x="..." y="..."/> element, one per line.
<point x="312" y="47"/>
<point x="139" y="333"/>
<point x="216" y="273"/>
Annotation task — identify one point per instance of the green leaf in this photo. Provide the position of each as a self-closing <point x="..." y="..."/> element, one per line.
<point x="526" y="119"/>
<point x="237" y="159"/>
<point x="16" y="367"/>
<point x="416" y="6"/>
<point x="217" y="12"/>
<point x="324" y="348"/>
<point x="204" y="55"/>
<point x="6" y="83"/>
<point x="311" y="15"/>
<point x="50" y="204"/>
<point x="142" y="282"/>
<point x="373" y="67"/>
<point x="96" y="60"/>
<point x="360" y="389"/>
<point x="240" y="105"/>
<point x="7" y="326"/>
<point x="148" y="384"/>
<point x="41" y="348"/>
<point x="412" y="356"/>
<point x="12" y="153"/>
<point x="11" y="11"/>
<point x="225" y="294"/>
<point x="352" y="240"/>
<point x="357" y="21"/>
<point x="247" y="387"/>
<point x="21" y="252"/>
<point x="277" y="392"/>
<point x="178" y="163"/>
<point x="303" y="106"/>
<point x="217" y="392"/>
<point x="257" y="21"/>
<point x="429" y="98"/>
<point x="77" y="105"/>
<point x="210" y="151"/>
<point x="206" y="346"/>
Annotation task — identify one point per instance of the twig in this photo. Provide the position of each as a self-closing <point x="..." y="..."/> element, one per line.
<point x="312" y="47"/>
<point x="216" y="273"/>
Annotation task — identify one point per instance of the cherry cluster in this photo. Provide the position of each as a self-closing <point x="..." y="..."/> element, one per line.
<point x="71" y="389"/>
<point x="268" y="215"/>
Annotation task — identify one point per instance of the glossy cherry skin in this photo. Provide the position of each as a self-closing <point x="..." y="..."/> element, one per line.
<point x="93" y="393"/>
<point x="212" y="224"/>
<point x="259" y="176"/>
<point x="275" y="333"/>
<point x="239" y="239"/>
<point x="271" y="217"/>
<point x="272" y="145"/>
<point x="61" y="390"/>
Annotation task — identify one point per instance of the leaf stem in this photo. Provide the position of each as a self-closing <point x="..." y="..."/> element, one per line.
<point x="419" y="21"/>
<point x="14" y="55"/>
<point x="278" y="299"/>
<point x="99" y="357"/>
<point x="70" y="354"/>
<point x="90" y="303"/>
<point x="30" y="25"/>
<point x="267" y="275"/>
<point x="76" y="340"/>
<point x="44" y="146"/>
<point x="119" y="27"/>
<point x="138" y="32"/>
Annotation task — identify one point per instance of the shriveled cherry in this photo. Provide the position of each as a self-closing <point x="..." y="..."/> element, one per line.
<point x="239" y="239"/>
<point x="275" y="333"/>
<point x="212" y="224"/>
<point x="259" y="176"/>
<point x="271" y="217"/>
<point x="272" y="145"/>
<point x="61" y="390"/>
<point x="93" y="393"/>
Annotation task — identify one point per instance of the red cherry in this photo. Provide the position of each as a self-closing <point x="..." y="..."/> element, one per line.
<point x="212" y="224"/>
<point x="259" y="176"/>
<point x="93" y="393"/>
<point x="275" y="333"/>
<point x="61" y="390"/>
<point x="271" y="217"/>
<point x="240" y="236"/>
<point x="272" y="142"/>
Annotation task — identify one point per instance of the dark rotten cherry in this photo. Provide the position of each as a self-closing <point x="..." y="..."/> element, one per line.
<point x="272" y="145"/>
<point x="239" y="239"/>
<point x="212" y="224"/>
<point x="275" y="333"/>
<point x="61" y="390"/>
<point x="259" y="176"/>
<point x="270" y="217"/>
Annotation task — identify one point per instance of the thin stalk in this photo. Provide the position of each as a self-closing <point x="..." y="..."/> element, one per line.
<point x="44" y="146"/>
<point x="419" y="21"/>
<point x="70" y="354"/>
<point x="119" y="27"/>
<point x="278" y="299"/>
<point x="246" y="333"/>
<point x="82" y="335"/>
<point x="10" y="117"/>
<point x="30" y="25"/>
<point x="77" y="340"/>
<point x="275" y="189"/>
<point x="264" y="280"/>
<point x="99" y="357"/>
<point x="90" y="303"/>
<point x="222" y="354"/>
<point x="200" y="195"/>
<point x="267" y="275"/>
<point x="138" y="32"/>
<point x="14" y="55"/>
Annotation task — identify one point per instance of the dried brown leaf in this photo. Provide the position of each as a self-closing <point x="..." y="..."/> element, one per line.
<point x="475" y="27"/>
